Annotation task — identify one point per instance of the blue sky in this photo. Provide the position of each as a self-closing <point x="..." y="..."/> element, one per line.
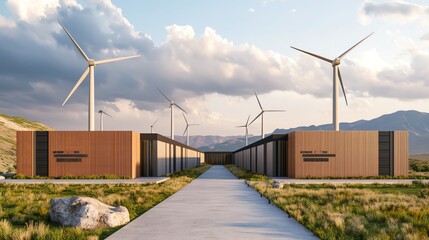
<point x="209" y="56"/>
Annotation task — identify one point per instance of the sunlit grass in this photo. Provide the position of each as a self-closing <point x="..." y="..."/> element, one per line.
<point x="245" y="174"/>
<point x="24" y="209"/>
<point x="356" y="212"/>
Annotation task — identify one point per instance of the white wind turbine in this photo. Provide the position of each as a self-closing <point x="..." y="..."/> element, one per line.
<point x="187" y="129"/>
<point x="247" y="132"/>
<point x="172" y="104"/>
<point x="101" y="112"/>
<point x="336" y="75"/>
<point x="262" y="115"/>
<point x="90" y="70"/>
<point x="153" y="124"/>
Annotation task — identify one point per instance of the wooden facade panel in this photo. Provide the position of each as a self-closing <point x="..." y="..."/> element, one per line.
<point x="335" y="154"/>
<point x="291" y="155"/>
<point x="25" y="153"/>
<point x="104" y="153"/>
<point x="400" y="153"/>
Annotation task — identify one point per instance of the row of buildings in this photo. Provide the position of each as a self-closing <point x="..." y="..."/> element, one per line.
<point x="129" y="154"/>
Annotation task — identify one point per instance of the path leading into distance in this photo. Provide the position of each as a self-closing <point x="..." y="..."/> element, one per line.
<point x="216" y="205"/>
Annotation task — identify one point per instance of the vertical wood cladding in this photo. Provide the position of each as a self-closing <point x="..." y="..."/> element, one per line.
<point x="25" y="152"/>
<point x="42" y="153"/>
<point x="93" y="153"/>
<point x="401" y="153"/>
<point x="349" y="154"/>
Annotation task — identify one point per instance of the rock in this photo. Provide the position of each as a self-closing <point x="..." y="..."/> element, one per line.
<point x="86" y="213"/>
<point x="2" y="177"/>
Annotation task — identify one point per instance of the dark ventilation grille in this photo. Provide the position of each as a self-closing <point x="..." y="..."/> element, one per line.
<point x="42" y="154"/>
<point x="385" y="153"/>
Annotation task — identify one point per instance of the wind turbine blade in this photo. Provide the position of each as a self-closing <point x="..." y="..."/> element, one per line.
<point x="344" y="54"/>
<point x="107" y="114"/>
<point x="255" y="118"/>
<point x="240" y="126"/>
<point x="115" y="59"/>
<point x="164" y="95"/>
<point x="74" y="42"/>
<point x="153" y="124"/>
<point x="180" y="108"/>
<point x="258" y="100"/>
<point x="342" y="86"/>
<point x="186" y="129"/>
<point x="77" y="85"/>
<point x="275" y="110"/>
<point x="247" y="122"/>
<point x="187" y="124"/>
<point x="314" y="55"/>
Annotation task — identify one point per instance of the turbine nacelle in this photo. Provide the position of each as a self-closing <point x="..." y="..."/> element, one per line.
<point x="336" y="62"/>
<point x="91" y="63"/>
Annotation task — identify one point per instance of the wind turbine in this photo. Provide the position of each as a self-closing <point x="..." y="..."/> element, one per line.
<point x="247" y="132"/>
<point x="187" y="129"/>
<point x="337" y="75"/>
<point x="262" y="115"/>
<point x="172" y="104"/>
<point x="153" y="124"/>
<point x="101" y="112"/>
<point x="90" y="70"/>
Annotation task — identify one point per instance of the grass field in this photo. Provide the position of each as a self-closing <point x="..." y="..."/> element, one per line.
<point x="24" y="209"/>
<point x="419" y="165"/>
<point x="352" y="211"/>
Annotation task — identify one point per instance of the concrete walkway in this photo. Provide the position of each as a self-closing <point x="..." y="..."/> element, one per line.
<point x="143" y="180"/>
<point x="214" y="206"/>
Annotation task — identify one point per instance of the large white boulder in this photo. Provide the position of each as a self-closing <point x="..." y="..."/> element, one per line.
<point x="86" y="213"/>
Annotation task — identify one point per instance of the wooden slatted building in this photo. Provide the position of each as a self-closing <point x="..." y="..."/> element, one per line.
<point x="303" y="154"/>
<point x="85" y="153"/>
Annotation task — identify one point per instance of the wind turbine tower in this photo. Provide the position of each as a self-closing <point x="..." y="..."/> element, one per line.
<point x="172" y="105"/>
<point x="247" y="132"/>
<point x="336" y="75"/>
<point x="101" y="112"/>
<point x="153" y="124"/>
<point x="187" y="129"/>
<point x="262" y="115"/>
<point x="90" y="70"/>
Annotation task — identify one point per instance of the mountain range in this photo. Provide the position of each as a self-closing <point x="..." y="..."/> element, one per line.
<point x="416" y="123"/>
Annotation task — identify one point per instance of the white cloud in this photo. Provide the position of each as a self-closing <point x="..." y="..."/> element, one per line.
<point x="398" y="12"/>
<point x="252" y="10"/>
<point x="207" y="73"/>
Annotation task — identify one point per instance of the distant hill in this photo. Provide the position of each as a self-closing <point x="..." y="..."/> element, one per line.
<point x="198" y="141"/>
<point x="8" y="127"/>
<point x="416" y="123"/>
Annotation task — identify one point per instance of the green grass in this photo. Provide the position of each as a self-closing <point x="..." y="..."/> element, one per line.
<point x="351" y="211"/>
<point x="24" y="209"/>
<point x="245" y="174"/>
<point x="419" y="165"/>
<point x="356" y="212"/>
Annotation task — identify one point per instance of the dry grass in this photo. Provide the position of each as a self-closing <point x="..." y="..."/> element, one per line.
<point x="24" y="209"/>
<point x="356" y="212"/>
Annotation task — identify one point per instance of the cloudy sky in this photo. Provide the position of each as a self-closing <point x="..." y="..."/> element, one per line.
<point x="209" y="57"/>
